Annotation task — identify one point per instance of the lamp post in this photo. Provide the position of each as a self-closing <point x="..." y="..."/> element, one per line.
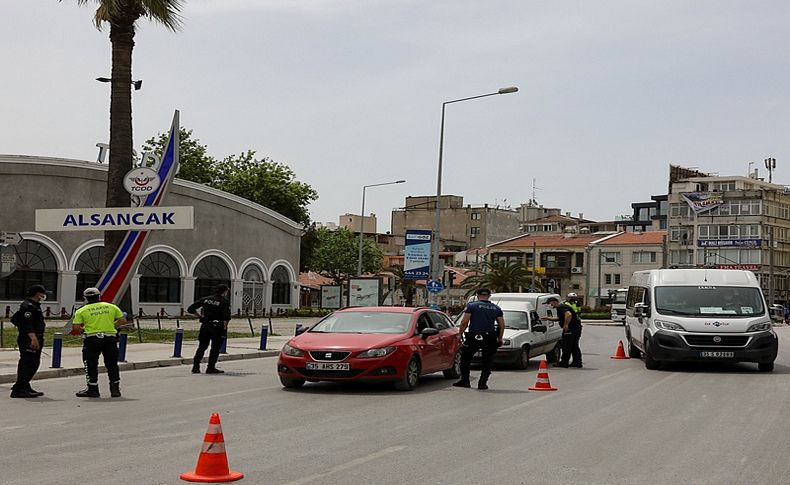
<point x="362" y="220"/>
<point x="435" y="241"/>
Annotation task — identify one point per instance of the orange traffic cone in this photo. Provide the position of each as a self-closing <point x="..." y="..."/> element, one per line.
<point x="212" y="464"/>
<point x="543" y="383"/>
<point x="620" y="353"/>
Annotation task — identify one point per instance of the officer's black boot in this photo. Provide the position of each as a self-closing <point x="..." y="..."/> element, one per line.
<point x="482" y="383"/>
<point x="196" y="369"/>
<point x="463" y="382"/>
<point x="115" y="389"/>
<point x="91" y="391"/>
<point x="214" y="370"/>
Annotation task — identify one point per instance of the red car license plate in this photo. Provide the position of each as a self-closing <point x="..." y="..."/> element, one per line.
<point x="327" y="366"/>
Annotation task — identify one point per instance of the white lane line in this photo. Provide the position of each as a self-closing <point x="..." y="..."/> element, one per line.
<point x="523" y="404"/>
<point x="350" y="464"/>
<point x="9" y="428"/>
<point x="607" y="376"/>
<point x="254" y="389"/>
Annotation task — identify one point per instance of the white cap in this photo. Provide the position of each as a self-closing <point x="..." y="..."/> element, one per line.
<point x="91" y="292"/>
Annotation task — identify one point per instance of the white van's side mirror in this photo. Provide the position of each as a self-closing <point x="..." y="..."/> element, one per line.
<point x="641" y="310"/>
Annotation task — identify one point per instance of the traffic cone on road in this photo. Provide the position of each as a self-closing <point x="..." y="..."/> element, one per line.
<point x="620" y="353"/>
<point x="543" y="383"/>
<point x="212" y="464"/>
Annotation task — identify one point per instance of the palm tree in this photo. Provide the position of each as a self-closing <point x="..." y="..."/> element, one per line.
<point x="500" y="277"/>
<point x="122" y="15"/>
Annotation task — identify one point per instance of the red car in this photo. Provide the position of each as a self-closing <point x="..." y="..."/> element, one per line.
<point x="396" y="344"/>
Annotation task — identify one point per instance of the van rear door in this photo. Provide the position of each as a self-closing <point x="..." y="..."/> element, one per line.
<point x="553" y="329"/>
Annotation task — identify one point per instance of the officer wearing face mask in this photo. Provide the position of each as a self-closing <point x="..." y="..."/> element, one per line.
<point x="29" y="320"/>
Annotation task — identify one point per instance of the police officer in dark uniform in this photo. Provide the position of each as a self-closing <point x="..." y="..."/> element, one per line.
<point x="29" y="320"/>
<point x="571" y="333"/>
<point x="214" y="320"/>
<point x="486" y="329"/>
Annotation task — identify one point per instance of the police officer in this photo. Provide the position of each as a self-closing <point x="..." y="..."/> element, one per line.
<point x="97" y="320"/>
<point x="480" y="316"/>
<point x="571" y="332"/>
<point x="29" y="321"/>
<point x="214" y="320"/>
<point x="573" y="302"/>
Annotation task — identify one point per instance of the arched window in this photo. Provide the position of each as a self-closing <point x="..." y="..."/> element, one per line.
<point x="35" y="265"/>
<point x="90" y="265"/>
<point x="160" y="279"/>
<point x="252" y="297"/>
<point x="210" y="272"/>
<point x="281" y="287"/>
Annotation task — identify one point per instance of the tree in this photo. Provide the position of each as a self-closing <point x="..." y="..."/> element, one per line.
<point x="337" y="251"/>
<point x="308" y="244"/>
<point x="500" y="277"/>
<point x="122" y="15"/>
<point x="196" y="164"/>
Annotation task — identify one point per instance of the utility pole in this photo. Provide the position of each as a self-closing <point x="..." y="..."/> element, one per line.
<point x="534" y="263"/>
<point x="600" y="255"/>
<point x="771" y="265"/>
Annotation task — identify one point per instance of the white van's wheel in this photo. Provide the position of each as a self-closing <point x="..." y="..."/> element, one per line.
<point x="554" y="356"/>
<point x="633" y="351"/>
<point x="765" y="367"/>
<point x="523" y="359"/>
<point x="650" y="362"/>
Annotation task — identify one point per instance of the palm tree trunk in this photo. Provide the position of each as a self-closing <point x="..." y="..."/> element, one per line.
<point x="121" y="143"/>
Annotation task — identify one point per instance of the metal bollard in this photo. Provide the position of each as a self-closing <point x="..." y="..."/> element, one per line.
<point x="223" y="348"/>
<point x="122" y="340"/>
<point x="178" y="342"/>
<point x="264" y="336"/>
<point x="57" y="349"/>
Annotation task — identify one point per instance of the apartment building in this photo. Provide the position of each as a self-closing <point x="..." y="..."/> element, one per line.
<point x="732" y="222"/>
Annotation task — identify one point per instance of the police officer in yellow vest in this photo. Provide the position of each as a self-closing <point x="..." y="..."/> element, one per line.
<point x="98" y="321"/>
<point x="573" y="302"/>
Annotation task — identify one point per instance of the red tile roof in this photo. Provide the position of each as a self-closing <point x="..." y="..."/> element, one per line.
<point x="549" y="241"/>
<point x="314" y="280"/>
<point x="630" y="238"/>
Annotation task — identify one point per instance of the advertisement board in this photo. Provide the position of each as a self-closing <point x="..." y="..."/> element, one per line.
<point x="417" y="254"/>
<point x="702" y="201"/>
<point x="364" y="291"/>
<point x="331" y="297"/>
<point x="729" y="243"/>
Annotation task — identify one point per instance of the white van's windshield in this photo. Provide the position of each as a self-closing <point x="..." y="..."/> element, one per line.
<point x="620" y="297"/>
<point x="516" y="320"/>
<point x="709" y="301"/>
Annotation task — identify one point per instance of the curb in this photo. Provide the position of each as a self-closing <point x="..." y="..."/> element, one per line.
<point x="127" y="366"/>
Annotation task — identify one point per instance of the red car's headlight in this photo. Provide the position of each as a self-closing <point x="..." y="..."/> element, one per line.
<point x="292" y="351"/>
<point x="376" y="352"/>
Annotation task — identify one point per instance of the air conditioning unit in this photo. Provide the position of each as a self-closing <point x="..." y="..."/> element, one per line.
<point x="576" y="269"/>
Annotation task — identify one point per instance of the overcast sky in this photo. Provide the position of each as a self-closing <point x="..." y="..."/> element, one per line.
<point x="349" y="93"/>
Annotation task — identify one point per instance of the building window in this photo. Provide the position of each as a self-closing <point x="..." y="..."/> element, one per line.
<point x="210" y="272"/>
<point x="607" y="278"/>
<point x="35" y="265"/>
<point x="644" y="257"/>
<point x="507" y="258"/>
<point x="729" y="231"/>
<point x="681" y="257"/>
<point x="90" y="265"/>
<point x="610" y="257"/>
<point x="474" y="231"/>
<point x="281" y="287"/>
<point x="617" y="278"/>
<point x="579" y="260"/>
<point x="680" y="233"/>
<point x="475" y="216"/>
<point x="722" y="186"/>
<point x="613" y="278"/>
<point x="160" y="279"/>
<point x="252" y="294"/>
<point x="681" y="210"/>
<point x="548" y="227"/>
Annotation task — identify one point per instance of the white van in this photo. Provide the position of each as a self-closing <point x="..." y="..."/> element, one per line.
<point x="618" y="298"/>
<point x="679" y="315"/>
<point x="526" y="336"/>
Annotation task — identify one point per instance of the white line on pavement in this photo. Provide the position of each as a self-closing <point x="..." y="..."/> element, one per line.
<point x="350" y="464"/>
<point x="254" y="389"/>
<point x="607" y="376"/>
<point x="522" y="405"/>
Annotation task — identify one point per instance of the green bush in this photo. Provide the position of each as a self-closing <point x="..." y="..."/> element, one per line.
<point x="596" y="316"/>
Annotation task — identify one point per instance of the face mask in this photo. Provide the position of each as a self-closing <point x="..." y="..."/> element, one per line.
<point x="43" y="298"/>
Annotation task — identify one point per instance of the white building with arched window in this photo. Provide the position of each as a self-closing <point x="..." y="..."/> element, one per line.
<point x="250" y="248"/>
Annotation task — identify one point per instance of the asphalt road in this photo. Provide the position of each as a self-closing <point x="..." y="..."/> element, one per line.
<point x="613" y="422"/>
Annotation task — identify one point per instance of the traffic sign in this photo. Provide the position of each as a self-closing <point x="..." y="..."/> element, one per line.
<point x="10" y="238"/>
<point x="7" y="261"/>
<point x="434" y="286"/>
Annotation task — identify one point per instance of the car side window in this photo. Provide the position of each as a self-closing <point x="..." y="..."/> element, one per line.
<point x="439" y="321"/>
<point x="533" y="315"/>
<point x="423" y="322"/>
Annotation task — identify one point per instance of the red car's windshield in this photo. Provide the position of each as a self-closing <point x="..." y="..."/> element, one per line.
<point x="364" y="322"/>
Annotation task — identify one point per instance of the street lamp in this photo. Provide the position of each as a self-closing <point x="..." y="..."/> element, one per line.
<point x="435" y="241"/>
<point x="362" y="220"/>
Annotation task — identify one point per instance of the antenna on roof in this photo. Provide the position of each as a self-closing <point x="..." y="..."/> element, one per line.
<point x="534" y="201"/>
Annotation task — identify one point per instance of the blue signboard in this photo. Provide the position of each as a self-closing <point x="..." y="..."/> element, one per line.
<point x="434" y="286"/>
<point x="726" y="243"/>
<point x="417" y="254"/>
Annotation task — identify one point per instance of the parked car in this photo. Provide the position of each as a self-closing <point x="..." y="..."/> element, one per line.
<point x="375" y="344"/>
<point x="526" y="335"/>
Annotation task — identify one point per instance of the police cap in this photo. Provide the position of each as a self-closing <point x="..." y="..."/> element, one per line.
<point x="36" y="289"/>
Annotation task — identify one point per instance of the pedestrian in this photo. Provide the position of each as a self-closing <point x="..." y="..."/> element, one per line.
<point x="571" y="333"/>
<point x="486" y="328"/>
<point x="29" y="321"/>
<point x="214" y="319"/>
<point x="97" y="321"/>
<point x="573" y="302"/>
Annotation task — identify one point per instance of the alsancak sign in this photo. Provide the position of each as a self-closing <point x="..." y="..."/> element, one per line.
<point x="115" y="219"/>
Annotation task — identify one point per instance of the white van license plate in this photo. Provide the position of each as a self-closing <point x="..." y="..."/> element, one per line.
<point x="326" y="366"/>
<point x="718" y="354"/>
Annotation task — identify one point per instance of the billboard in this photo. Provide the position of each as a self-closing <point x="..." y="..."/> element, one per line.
<point x="330" y="297"/>
<point x="364" y="291"/>
<point x="417" y="254"/>
<point x="702" y="201"/>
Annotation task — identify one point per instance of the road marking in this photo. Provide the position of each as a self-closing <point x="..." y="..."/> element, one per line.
<point x="522" y="405"/>
<point x="350" y="464"/>
<point x="254" y="389"/>
<point x="614" y="374"/>
<point x="9" y="428"/>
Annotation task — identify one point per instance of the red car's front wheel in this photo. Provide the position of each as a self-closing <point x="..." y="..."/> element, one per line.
<point x="411" y="376"/>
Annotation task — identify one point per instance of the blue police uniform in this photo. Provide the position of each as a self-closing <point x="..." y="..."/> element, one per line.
<point x="482" y="336"/>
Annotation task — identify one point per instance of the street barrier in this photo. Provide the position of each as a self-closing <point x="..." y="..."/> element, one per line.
<point x="252" y="331"/>
<point x="212" y="464"/>
<point x="177" y="344"/>
<point x="57" y="349"/>
<point x="122" y="341"/>
<point x="264" y="336"/>
<point x="2" y="334"/>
